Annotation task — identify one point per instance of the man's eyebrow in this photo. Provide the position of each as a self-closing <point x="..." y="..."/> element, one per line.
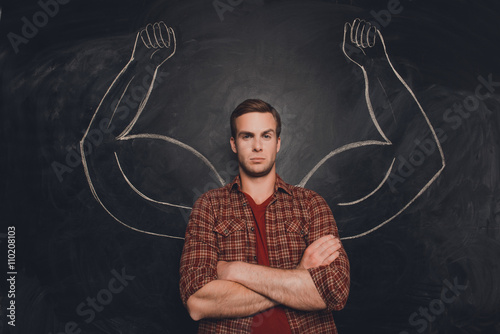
<point x="244" y="133"/>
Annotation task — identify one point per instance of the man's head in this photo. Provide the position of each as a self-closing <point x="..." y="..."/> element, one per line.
<point x="255" y="130"/>
<point x="254" y="105"/>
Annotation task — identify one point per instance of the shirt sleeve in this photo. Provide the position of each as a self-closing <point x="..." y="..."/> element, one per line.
<point x="199" y="257"/>
<point x="332" y="281"/>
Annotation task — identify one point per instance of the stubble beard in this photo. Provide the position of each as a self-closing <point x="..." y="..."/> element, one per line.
<point x="251" y="173"/>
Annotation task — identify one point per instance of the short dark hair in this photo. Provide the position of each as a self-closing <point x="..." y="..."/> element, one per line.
<point x="254" y="105"/>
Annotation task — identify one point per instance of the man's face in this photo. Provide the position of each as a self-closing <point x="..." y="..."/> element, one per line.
<point x="256" y="143"/>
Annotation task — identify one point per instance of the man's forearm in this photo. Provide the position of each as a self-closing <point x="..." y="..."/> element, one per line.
<point x="293" y="288"/>
<point x="226" y="299"/>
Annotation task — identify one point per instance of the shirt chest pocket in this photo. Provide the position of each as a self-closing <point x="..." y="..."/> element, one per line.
<point x="231" y="239"/>
<point x="296" y="227"/>
<point x="296" y="240"/>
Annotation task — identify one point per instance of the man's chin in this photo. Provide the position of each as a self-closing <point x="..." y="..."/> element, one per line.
<point x="261" y="174"/>
<point x="257" y="173"/>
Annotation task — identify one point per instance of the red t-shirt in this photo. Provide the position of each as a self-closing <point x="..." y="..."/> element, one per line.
<point x="272" y="320"/>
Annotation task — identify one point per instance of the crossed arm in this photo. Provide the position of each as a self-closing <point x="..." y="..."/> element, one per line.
<point x="211" y="288"/>
<point x="226" y="299"/>
<point x="243" y="289"/>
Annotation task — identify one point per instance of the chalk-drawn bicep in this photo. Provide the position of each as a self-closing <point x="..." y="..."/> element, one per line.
<point x="352" y="174"/>
<point x="165" y="171"/>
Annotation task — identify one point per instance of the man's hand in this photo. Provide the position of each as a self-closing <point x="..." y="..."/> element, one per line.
<point x="321" y="252"/>
<point x="294" y="288"/>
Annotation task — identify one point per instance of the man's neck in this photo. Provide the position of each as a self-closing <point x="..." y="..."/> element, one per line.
<point x="259" y="188"/>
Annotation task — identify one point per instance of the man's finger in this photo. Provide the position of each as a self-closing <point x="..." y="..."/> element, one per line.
<point x="324" y="241"/>
<point x="330" y="247"/>
<point x="331" y="258"/>
<point x="324" y="247"/>
<point x="317" y="244"/>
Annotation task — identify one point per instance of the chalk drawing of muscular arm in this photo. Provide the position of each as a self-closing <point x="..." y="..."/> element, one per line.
<point x="155" y="44"/>
<point x="116" y="116"/>
<point x="368" y="43"/>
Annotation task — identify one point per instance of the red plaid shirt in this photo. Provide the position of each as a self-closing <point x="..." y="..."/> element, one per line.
<point x="221" y="229"/>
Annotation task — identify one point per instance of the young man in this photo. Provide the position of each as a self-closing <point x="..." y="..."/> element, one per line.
<point x="260" y="255"/>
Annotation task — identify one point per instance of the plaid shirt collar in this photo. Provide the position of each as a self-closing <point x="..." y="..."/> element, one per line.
<point x="280" y="184"/>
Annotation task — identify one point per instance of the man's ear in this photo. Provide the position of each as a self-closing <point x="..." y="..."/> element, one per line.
<point x="279" y="145"/>
<point x="233" y="145"/>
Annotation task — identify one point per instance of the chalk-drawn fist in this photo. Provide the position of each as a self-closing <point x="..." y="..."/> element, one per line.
<point x="154" y="44"/>
<point x="360" y="42"/>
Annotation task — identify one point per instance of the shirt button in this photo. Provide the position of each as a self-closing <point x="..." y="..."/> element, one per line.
<point x="244" y="204"/>
<point x="226" y="231"/>
<point x="252" y="228"/>
<point x="255" y="258"/>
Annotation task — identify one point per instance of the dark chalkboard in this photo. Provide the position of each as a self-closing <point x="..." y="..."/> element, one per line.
<point x="102" y="164"/>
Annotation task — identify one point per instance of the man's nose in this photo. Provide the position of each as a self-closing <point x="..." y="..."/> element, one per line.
<point x="257" y="145"/>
